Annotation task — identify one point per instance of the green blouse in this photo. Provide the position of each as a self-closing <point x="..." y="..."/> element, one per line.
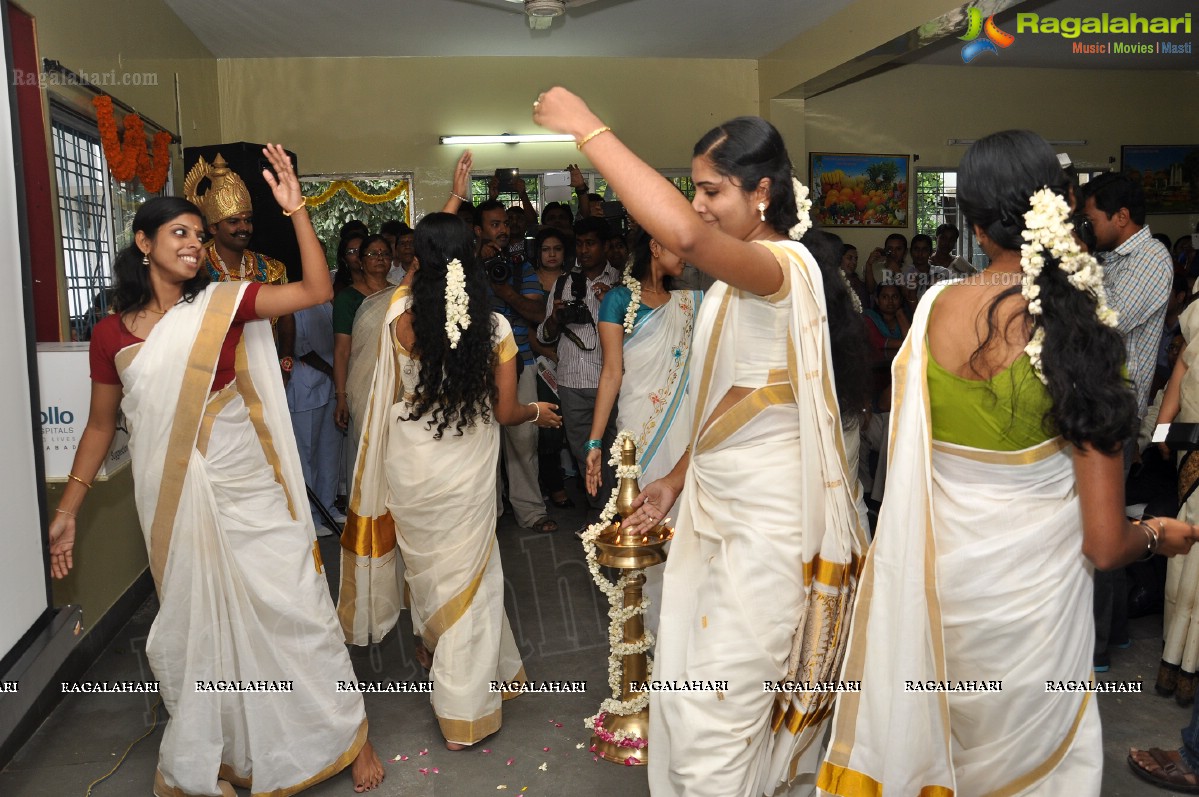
<point x="1003" y="413"/>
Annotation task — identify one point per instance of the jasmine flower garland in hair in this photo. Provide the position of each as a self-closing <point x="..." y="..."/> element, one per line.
<point x="803" y="206"/>
<point x="457" y="315"/>
<point x="634" y="286"/>
<point x="1048" y="229"/>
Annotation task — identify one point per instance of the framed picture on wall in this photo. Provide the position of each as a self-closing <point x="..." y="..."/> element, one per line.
<point x="852" y="190"/>
<point x="1169" y="174"/>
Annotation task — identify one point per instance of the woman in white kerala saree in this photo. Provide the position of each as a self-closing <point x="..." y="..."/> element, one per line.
<point x="421" y="521"/>
<point x="646" y="340"/>
<point x="762" y="567"/>
<point x="972" y="631"/>
<point x="220" y="495"/>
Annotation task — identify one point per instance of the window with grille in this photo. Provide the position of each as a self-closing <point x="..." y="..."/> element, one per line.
<point x="937" y="204"/>
<point x="95" y="214"/>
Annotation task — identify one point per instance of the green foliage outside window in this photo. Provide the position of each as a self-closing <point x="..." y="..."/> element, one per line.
<point x="341" y="207"/>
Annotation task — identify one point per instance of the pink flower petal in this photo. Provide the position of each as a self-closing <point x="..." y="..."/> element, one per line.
<point x="485" y="750"/>
<point x="424" y="771"/>
<point x="546" y="749"/>
<point x="557" y="724"/>
<point x="510" y="760"/>
<point x="423" y="752"/>
<point x="436" y="771"/>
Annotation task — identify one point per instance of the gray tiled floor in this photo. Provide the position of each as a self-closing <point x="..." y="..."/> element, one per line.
<point x="560" y="627"/>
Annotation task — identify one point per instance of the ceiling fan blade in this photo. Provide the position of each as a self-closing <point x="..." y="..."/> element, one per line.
<point x="496" y="5"/>
<point x="581" y="8"/>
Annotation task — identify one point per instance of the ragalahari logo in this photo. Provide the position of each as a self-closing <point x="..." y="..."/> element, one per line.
<point x="995" y="38"/>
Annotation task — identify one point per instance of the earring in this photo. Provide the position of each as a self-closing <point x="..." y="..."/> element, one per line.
<point x="762" y="211"/>
<point x="146" y="260"/>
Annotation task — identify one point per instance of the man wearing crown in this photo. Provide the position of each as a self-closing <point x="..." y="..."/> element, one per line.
<point x="229" y="213"/>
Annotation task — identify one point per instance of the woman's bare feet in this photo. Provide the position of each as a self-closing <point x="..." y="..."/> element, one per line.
<point x="367" y="769"/>
<point x="455" y="746"/>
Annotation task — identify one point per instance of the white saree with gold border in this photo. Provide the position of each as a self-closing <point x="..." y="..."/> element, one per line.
<point x="761" y="571"/>
<point x="243" y="598"/>
<point x="976" y="578"/>
<point x="653" y="402"/>
<point x="432" y="500"/>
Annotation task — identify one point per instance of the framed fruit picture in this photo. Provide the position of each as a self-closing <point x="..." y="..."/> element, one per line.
<point x="851" y="190"/>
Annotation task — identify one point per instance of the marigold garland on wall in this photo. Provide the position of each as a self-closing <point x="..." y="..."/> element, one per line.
<point x="130" y="158"/>
<point x="396" y="191"/>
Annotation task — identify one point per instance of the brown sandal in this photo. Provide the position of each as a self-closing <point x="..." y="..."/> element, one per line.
<point x="1171" y="773"/>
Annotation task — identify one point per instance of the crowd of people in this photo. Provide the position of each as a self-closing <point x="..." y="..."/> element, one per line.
<point x="855" y="452"/>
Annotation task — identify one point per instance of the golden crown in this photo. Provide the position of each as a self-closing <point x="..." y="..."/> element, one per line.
<point x="226" y="196"/>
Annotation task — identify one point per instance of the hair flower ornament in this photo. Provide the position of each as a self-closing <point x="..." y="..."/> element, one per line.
<point x="457" y="315"/>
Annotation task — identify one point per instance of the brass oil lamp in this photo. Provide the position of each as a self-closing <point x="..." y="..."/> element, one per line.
<point x="621" y="550"/>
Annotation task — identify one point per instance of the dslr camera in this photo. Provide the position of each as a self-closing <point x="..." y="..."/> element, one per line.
<point x="575" y="310"/>
<point x="498" y="268"/>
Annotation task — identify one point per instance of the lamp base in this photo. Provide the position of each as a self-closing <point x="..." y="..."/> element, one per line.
<point x="633" y="725"/>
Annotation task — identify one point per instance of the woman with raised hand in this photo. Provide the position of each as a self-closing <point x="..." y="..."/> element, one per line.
<point x="425" y="479"/>
<point x="242" y="596"/>
<point x="761" y="571"/>
<point x="1005" y="491"/>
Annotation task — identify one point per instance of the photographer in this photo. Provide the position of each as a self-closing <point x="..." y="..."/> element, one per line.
<point x="516" y="294"/>
<point x="571" y="310"/>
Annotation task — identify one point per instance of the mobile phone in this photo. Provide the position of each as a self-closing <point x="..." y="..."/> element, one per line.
<point x="506" y="178"/>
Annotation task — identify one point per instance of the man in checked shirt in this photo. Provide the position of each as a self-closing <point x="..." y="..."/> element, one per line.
<point x="1137" y="274"/>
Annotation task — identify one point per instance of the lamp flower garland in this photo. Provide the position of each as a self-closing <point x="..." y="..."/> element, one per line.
<point x="1048" y="229"/>
<point x="634" y="286"/>
<point x="457" y="315"/>
<point x="618" y="614"/>
<point x="131" y="159"/>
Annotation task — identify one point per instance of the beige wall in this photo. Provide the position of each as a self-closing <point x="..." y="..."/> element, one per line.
<point x="915" y="109"/>
<point x="371" y="115"/>
<point x="133" y="37"/>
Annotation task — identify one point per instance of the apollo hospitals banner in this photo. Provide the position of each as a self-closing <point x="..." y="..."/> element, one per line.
<point x="23" y="595"/>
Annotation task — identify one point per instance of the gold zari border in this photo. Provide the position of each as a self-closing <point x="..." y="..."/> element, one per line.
<point x="1028" y="456"/>
<point x="842" y="780"/>
<point x="741" y="413"/>
<point x="452" y="610"/>
<point x="342" y="761"/>
<point x="470" y="731"/>
<point x="193" y="394"/>
<point x="245" y="385"/>
<point x="373" y="537"/>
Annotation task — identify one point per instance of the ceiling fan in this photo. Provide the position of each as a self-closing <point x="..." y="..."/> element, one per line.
<point x="541" y="13"/>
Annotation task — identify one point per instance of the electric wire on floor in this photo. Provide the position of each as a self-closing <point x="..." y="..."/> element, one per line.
<point x="121" y="760"/>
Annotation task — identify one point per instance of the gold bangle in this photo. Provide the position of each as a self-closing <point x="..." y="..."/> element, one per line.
<point x="73" y="477"/>
<point x="303" y="204"/>
<point x="65" y="512"/>
<point x="591" y="135"/>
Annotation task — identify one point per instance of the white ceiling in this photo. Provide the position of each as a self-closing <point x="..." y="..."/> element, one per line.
<point x="604" y="28"/>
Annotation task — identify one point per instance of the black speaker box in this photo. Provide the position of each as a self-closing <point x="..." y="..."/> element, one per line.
<point x="274" y="234"/>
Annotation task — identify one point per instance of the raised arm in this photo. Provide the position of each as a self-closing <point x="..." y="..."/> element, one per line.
<point x="93" y="448"/>
<point x="459" y="184"/>
<point x="656" y="203"/>
<point x="315" y="286"/>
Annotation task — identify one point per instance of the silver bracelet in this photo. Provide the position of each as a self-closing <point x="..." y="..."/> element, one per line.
<point x="536" y="412"/>
<point x="1152" y="541"/>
